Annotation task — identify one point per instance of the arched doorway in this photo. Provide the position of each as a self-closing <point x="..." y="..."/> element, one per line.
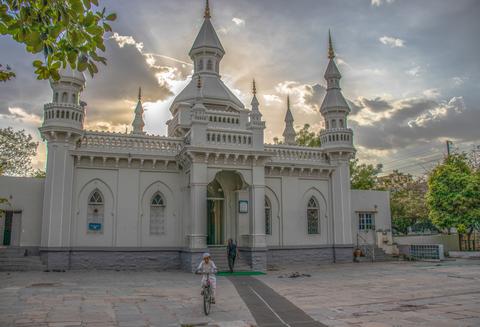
<point x="222" y="222"/>
<point x="215" y="216"/>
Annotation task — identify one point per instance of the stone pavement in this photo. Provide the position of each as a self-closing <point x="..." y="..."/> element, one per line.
<point x="365" y="294"/>
<point x="386" y="294"/>
<point x="109" y="298"/>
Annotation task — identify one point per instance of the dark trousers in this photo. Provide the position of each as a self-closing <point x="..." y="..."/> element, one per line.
<point x="231" y="262"/>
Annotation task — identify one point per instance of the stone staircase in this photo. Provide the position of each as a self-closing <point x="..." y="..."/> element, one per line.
<point x="219" y="256"/>
<point x="374" y="253"/>
<point x="19" y="259"/>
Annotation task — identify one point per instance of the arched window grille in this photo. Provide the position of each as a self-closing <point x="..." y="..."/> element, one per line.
<point x="200" y="64"/>
<point x="157" y="215"/>
<point x="268" y="217"/>
<point x="65" y="97"/>
<point x="313" y="215"/>
<point x="95" y="212"/>
<point x="209" y="64"/>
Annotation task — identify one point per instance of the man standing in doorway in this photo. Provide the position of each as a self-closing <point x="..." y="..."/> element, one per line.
<point x="231" y="254"/>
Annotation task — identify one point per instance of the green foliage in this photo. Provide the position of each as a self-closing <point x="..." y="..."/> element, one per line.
<point x="39" y="173"/>
<point x="306" y="137"/>
<point x="363" y="176"/>
<point x="16" y="152"/>
<point x="6" y="73"/>
<point x="407" y="201"/>
<point x="65" y="32"/>
<point x="453" y="196"/>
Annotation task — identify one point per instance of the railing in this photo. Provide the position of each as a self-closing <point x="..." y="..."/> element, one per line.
<point x="367" y="249"/>
<point x="427" y="251"/>
<point x="336" y="136"/>
<point x="297" y="153"/>
<point x="139" y="143"/>
<point x="229" y="138"/>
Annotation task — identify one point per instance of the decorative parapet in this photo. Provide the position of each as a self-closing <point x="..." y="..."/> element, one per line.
<point x="127" y="143"/>
<point x="336" y="137"/>
<point x="289" y="154"/>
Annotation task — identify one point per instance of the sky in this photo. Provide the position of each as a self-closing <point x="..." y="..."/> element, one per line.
<point x="410" y="70"/>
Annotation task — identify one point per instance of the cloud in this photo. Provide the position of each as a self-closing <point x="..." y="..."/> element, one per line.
<point x="376" y="105"/>
<point x="123" y="40"/>
<point x="392" y="41"/>
<point x="431" y="93"/>
<point x="458" y="81"/>
<point x="20" y="115"/>
<point x="238" y="21"/>
<point x="377" y="3"/>
<point x="414" y="71"/>
<point x="305" y="97"/>
<point x="271" y="98"/>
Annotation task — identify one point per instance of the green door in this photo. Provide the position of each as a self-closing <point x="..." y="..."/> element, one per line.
<point x="7" y="232"/>
<point x="215" y="222"/>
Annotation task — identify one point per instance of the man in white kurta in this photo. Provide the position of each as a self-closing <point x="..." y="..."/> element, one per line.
<point x="208" y="266"/>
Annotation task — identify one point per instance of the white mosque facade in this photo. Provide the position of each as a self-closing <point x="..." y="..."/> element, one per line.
<point x="138" y="200"/>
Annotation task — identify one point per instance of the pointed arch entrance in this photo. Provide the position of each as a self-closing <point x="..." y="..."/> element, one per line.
<point x="222" y="222"/>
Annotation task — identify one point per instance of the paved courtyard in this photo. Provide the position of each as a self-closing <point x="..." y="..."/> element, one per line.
<point x="379" y="294"/>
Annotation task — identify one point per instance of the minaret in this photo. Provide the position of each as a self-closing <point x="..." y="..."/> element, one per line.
<point x="337" y="144"/>
<point x="62" y="128"/>
<point x="138" y="124"/>
<point x="289" y="132"/>
<point x="198" y="129"/>
<point x="255" y="124"/>
<point x="207" y="51"/>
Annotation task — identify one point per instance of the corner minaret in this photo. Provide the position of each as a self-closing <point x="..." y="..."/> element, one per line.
<point x="289" y="132"/>
<point x="207" y="51"/>
<point x="255" y="123"/>
<point x="62" y="128"/>
<point x="335" y="109"/>
<point x="138" y="124"/>
<point x="337" y="143"/>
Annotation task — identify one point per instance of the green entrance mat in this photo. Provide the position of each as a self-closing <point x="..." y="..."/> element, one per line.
<point x="240" y="273"/>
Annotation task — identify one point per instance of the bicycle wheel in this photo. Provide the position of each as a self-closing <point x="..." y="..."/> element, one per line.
<point x="207" y="300"/>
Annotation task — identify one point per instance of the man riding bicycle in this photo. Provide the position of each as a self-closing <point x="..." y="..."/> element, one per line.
<point x="208" y="266"/>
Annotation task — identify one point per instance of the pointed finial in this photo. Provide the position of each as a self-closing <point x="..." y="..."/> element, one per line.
<point x="254" y="90"/>
<point x="288" y="102"/>
<point x="331" y="53"/>
<point x="199" y="82"/>
<point x="140" y="93"/>
<point x="207" y="11"/>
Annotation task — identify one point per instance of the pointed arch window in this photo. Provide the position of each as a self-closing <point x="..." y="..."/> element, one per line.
<point x="268" y="216"/>
<point x="157" y="215"/>
<point x="200" y="64"/>
<point x="95" y="212"/>
<point x="209" y="64"/>
<point x="313" y="215"/>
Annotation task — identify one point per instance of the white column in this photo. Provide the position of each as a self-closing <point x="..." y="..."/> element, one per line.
<point x="198" y="206"/>
<point x="257" y="209"/>
<point x="57" y="211"/>
<point x="342" y="204"/>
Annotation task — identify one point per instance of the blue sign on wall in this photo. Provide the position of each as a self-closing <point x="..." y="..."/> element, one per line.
<point x="243" y="206"/>
<point x="94" y="226"/>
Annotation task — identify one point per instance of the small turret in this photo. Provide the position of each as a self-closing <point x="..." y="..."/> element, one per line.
<point x="138" y="124"/>
<point x="255" y="123"/>
<point x="289" y="132"/>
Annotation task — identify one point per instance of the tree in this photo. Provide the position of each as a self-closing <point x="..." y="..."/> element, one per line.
<point x="6" y="73"/>
<point x="65" y="32"/>
<point x="306" y="137"/>
<point x="16" y="152"/>
<point x="453" y="196"/>
<point x="407" y="201"/>
<point x="363" y="176"/>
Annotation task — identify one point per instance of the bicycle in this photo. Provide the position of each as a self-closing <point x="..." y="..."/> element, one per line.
<point x="207" y="293"/>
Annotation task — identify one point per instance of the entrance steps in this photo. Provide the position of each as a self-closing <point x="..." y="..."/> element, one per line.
<point x="219" y="256"/>
<point x="18" y="259"/>
<point x="377" y="253"/>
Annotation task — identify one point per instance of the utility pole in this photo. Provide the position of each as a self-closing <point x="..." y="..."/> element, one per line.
<point x="449" y="144"/>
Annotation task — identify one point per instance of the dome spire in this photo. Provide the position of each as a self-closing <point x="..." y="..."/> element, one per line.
<point x="331" y="53"/>
<point x="254" y="88"/>
<point x="138" y="124"/>
<point x="289" y="132"/>
<point x="207" y="10"/>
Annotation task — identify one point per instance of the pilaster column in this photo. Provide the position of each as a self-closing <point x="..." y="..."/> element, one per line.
<point x="257" y="209"/>
<point x="342" y="214"/>
<point x="57" y="210"/>
<point x="198" y="205"/>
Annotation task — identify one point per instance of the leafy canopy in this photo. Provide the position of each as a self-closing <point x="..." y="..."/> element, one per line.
<point x="407" y="201"/>
<point x="453" y="196"/>
<point x="306" y="137"/>
<point x="16" y="152"/>
<point x="363" y="176"/>
<point x="66" y="32"/>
